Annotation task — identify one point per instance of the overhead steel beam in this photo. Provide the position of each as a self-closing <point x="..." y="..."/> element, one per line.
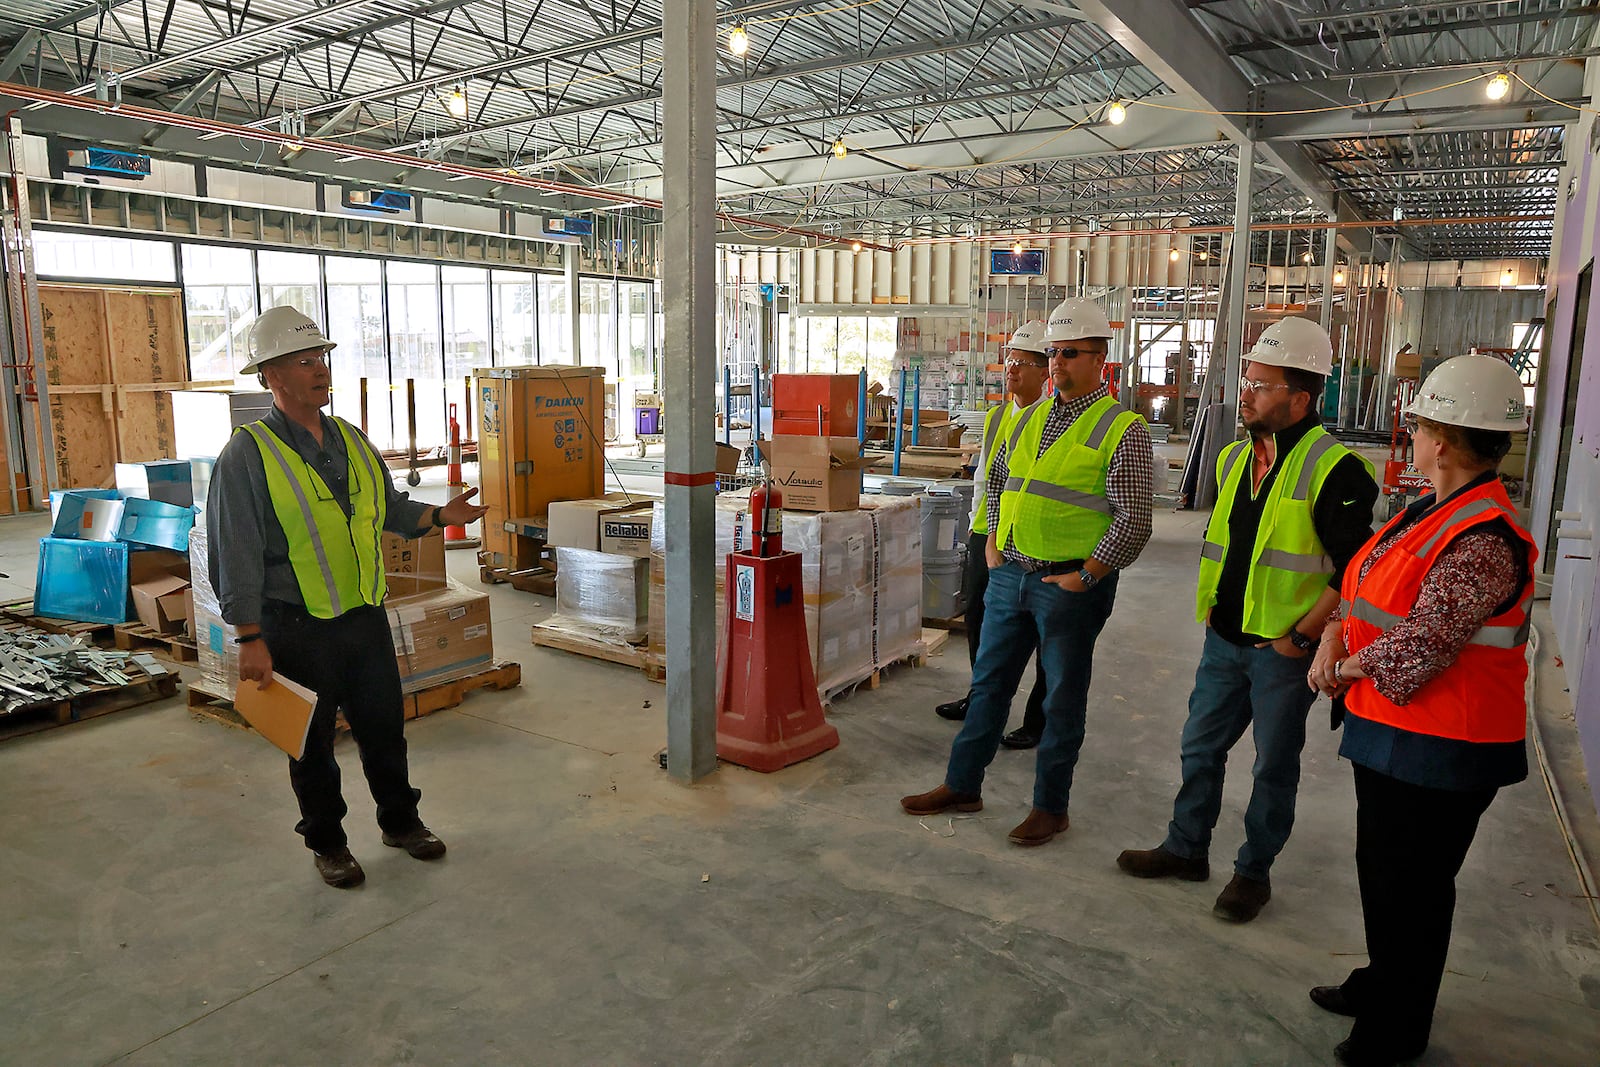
<point x="1165" y="37"/>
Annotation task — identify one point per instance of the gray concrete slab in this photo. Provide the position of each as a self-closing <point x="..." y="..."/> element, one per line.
<point x="160" y="909"/>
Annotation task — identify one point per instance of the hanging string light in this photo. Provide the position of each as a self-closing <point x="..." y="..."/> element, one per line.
<point x="855" y="246"/>
<point x="839" y="148"/>
<point x="1498" y="87"/>
<point x="456" y="102"/>
<point x="1174" y="255"/>
<point x="738" y="40"/>
<point x="1117" y="113"/>
<point x="1016" y="249"/>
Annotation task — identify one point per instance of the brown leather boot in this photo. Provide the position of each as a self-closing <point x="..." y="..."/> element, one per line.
<point x="1159" y="863"/>
<point x="1242" y="899"/>
<point x="1039" y="827"/>
<point x="941" y="798"/>
<point x="339" y="869"/>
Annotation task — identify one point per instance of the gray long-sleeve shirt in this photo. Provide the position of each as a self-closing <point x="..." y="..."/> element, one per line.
<point x="249" y="561"/>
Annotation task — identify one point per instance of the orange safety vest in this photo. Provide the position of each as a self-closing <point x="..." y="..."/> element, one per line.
<point x="1481" y="696"/>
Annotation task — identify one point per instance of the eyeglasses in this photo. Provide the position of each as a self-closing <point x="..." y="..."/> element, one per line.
<point x="1071" y="353"/>
<point x="323" y="359"/>
<point x="1251" y="385"/>
<point x="1018" y="361"/>
<point x="1409" y="422"/>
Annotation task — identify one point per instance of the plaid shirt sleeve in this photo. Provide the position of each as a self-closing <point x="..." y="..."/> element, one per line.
<point x="999" y="471"/>
<point x="1129" y="484"/>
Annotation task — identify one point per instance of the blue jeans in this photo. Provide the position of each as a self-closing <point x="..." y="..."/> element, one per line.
<point x="1235" y="688"/>
<point x="1020" y="611"/>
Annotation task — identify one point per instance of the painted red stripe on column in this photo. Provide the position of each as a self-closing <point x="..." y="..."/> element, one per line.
<point x="691" y="480"/>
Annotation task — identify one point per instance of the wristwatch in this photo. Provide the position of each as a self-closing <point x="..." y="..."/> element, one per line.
<point x="1086" y="576"/>
<point x="1301" y="641"/>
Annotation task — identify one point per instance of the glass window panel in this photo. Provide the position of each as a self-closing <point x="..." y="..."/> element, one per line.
<point x="87" y="255"/>
<point x="355" y="321"/>
<point x="415" y="351"/>
<point x="516" y="340"/>
<point x="290" y="278"/>
<point x="219" y="294"/>
<point x="465" y="294"/>
<point x="597" y="323"/>
<point x="555" y="325"/>
<point x="882" y="347"/>
<point x="852" y="354"/>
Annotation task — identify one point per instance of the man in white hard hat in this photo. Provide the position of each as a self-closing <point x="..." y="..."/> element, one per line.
<point x="298" y="505"/>
<point x="1293" y="506"/>
<point x="1069" y="507"/>
<point x="1027" y="368"/>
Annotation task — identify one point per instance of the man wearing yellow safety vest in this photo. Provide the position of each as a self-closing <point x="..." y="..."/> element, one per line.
<point x="1069" y="506"/>
<point x="296" y="513"/>
<point x="1293" y="507"/>
<point x="1027" y="367"/>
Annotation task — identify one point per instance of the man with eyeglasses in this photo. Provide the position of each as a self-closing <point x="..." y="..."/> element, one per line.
<point x="1293" y="507"/>
<point x="298" y="505"/>
<point x="1068" y="502"/>
<point x="1027" y="367"/>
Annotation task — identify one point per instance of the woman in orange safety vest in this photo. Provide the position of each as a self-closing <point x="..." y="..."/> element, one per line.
<point x="1428" y="656"/>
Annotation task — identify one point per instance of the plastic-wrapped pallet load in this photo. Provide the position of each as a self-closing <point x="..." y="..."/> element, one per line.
<point x="897" y="621"/>
<point x="603" y="594"/>
<point x="440" y="635"/>
<point x="219" y="656"/>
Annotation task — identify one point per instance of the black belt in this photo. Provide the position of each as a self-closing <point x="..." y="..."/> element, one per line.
<point x="1070" y="566"/>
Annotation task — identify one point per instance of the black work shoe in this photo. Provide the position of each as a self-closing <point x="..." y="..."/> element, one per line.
<point x="956" y="709"/>
<point x="420" y="843"/>
<point x="1333" y="998"/>
<point x="1351" y="1054"/>
<point x="1242" y="899"/>
<point x="339" y="869"/>
<point x="1020" y="738"/>
<point x="1159" y="863"/>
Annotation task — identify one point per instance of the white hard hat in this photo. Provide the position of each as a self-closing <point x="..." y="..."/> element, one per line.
<point x="282" y="331"/>
<point x="1075" y="320"/>
<point x="1296" y="343"/>
<point x="1029" y="337"/>
<point x="1476" y="392"/>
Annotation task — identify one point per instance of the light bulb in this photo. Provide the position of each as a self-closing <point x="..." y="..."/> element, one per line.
<point x="1508" y="277"/>
<point x="1016" y="249"/>
<point x="1498" y="87"/>
<point x="1117" y="113"/>
<point x="855" y="246"/>
<point x="1174" y="255"/>
<point x="1305" y="257"/>
<point x="1338" y="277"/>
<point x="1204" y="255"/>
<point x="738" y="40"/>
<point x="456" y="103"/>
<point x="839" y="149"/>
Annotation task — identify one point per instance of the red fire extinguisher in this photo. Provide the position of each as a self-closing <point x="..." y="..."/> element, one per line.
<point x="766" y="515"/>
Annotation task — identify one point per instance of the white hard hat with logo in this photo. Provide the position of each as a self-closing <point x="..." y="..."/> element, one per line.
<point x="1076" y="319"/>
<point x="1476" y="392"/>
<point x="282" y="331"/>
<point x="1029" y="337"/>
<point x="1296" y="343"/>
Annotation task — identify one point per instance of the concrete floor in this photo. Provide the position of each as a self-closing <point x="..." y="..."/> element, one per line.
<point x="160" y="910"/>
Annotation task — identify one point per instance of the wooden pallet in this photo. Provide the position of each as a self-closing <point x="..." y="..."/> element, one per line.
<point x="956" y="623"/>
<point x="136" y="636"/>
<point x="933" y="641"/>
<point x="21" y="611"/>
<point x="441" y="697"/>
<point x="533" y="580"/>
<point x="615" y="650"/>
<point x="100" y="701"/>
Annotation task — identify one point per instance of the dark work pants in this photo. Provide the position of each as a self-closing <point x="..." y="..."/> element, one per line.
<point x="975" y="581"/>
<point x="349" y="663"/>
<point x="1410" y="843"/>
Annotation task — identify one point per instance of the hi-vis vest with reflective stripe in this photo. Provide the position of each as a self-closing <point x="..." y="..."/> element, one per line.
<point x="996" y="424"/>
<point x="1479" y="697"/>
<point x="338" y="561"/>
<point x="1289" y="568"/>
<point x="1054" y="506"/>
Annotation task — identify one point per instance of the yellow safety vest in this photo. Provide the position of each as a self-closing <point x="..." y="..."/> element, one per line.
<point x="337" y="560"/>
<point x="1289" y="568"/>
<point x="996" y="425"/>
<point x="1054" y="506"/>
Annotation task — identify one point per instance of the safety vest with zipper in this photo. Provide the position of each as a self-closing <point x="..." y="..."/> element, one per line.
<point x="996" y="424"/>
<point x="1054" y="506"/>
<point x="1481" y="696"/>
<point x="337" y="558"/>
<point x="1289" y="567"/>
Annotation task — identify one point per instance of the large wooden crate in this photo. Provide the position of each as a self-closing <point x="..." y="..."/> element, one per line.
<point x="112" y="358"/>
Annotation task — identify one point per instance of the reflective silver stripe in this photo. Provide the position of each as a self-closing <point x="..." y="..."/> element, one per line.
<point x="266" y="437"/>
<point x="352" y="444"/>
<point x="1319" y="448"/>
<point x="1486" y="636"/>
<point x="1212" y="551"/>
<point x="1297" y="562"/>
<point x="1022" y="422"/>
<point x="1013" y="483"/>
<point x="1097" y="435"/>
<point x="992" y="431"/>
<point x="1233" y="461"/>
<point x="1461" y="517"/>
<point x="1061" y="494"/>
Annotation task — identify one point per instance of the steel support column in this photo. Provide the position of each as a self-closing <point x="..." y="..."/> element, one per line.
<point x="1239" y="281"/>
<point x="1330" y="251"/>
<point x="689" y="229"/>
<point x="569" y="262"/>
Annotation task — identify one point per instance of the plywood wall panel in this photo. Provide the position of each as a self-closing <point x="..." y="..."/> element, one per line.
<point x="147" y="347"/>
